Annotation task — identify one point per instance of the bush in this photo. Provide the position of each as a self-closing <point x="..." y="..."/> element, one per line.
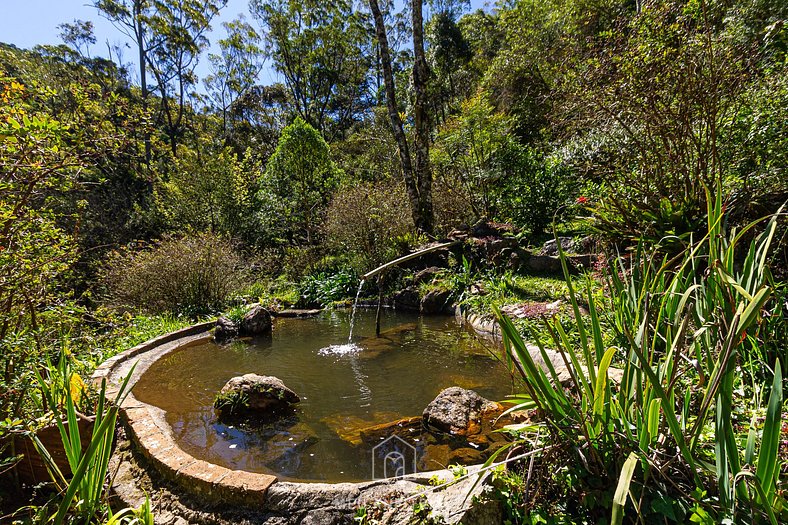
<point x="192" y="274"/>
<point x="297" y="185"/>
<point x="366" y="220"/>
<point x="325" y="288"/>
<point x="538" y="191"/>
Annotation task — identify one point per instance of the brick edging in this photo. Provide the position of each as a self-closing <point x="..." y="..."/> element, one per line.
<point x="151" y="433"/>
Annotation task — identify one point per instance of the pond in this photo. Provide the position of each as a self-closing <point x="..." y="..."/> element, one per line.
<point x="342" y="393"/>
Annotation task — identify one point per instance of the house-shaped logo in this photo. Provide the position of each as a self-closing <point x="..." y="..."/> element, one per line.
<point x="393" y="458"/>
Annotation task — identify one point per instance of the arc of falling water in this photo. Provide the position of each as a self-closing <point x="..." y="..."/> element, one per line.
<point x="353" y="312"/>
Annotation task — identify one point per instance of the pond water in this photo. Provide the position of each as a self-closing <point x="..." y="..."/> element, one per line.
<point x="387" y="378"/>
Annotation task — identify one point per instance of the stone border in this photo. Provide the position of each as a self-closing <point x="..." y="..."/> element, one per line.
<point x="212" y="484"/>
<point x="484" y="326"/>
<point x="150" y="431"/>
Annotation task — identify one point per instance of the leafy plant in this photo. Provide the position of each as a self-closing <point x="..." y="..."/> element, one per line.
<point x="84" y="492"/>
<point x="324" y="288"/>
<point x="680" y="326"/>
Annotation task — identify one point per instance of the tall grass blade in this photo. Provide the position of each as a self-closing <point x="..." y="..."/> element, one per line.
<point x="622" y="489"/>
<point x="767" y="472"/>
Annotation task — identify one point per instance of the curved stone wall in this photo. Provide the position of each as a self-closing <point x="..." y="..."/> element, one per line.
<point x="212" y="484"/>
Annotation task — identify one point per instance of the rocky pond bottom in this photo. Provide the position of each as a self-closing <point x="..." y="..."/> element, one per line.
<point x="351" y="401"/>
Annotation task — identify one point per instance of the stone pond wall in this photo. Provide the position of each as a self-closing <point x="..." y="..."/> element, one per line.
<point x="188" y="490"/>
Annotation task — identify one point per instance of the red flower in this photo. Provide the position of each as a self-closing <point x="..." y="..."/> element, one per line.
<point x="582" y="200"/>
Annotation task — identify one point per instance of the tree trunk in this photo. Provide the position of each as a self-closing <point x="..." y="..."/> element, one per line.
<point x="421" y="120"/>
<point x="411" y="184"/>
<point x="140" y="34"/>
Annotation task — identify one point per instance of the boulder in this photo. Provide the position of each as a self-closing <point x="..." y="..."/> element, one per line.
<point x="551" y="246"/>
<point x="544" y="264"/>
<point x="457" y="411"/>
<point x="225" y="329"/>
<point x="436" y="302"/>
<point x="426" y="275"/>
<point x="254" y="394"/>
<point x="407" y="299"/>
<point x="256" y="321"/>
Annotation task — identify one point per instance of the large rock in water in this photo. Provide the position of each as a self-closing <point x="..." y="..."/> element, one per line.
<point x="225" y="329"/>
<point x="436" y="302"/>
<point x="256" y="321"/>
<point x="457" y="411"/>
<point x="252" y="394"/>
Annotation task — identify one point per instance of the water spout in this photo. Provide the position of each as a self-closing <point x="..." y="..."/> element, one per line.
<point x="406" y="258"/>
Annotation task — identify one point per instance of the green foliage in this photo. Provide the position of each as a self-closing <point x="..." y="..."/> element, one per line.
<point x="233" y="402"/>
<point x="539" y="192"/>
<point x="192" y="274"/>
<point x="327" y="288"/>
<point x="466" y="152"/>
<point x="477" y="156"/>
<point x="297" y="186"/>
<point x="667" y="313"/>
<point x="212" y="190"/>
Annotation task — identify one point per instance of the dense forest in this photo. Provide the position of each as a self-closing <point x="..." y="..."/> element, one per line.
<point x="137" y="197"/>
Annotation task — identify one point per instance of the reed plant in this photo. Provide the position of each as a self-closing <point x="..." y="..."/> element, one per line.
<point x="684" y="329"/>
<point x="82" y="496"/>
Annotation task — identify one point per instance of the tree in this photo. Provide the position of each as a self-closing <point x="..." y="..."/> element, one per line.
<point x="235" y="69"/>
<point x="321" y="49"/>
<point x="170" y="36"/>
<point x="299" y="180"/>
<point x="421" y="165"/>
<point x="416" y="174"/>
<point x="129" y="16"/>
<point x="179" y="28"/>
<point x="78" y="35"/>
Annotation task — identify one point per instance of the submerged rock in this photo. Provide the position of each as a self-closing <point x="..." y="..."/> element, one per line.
<point x="457" y="411"/>
<point x="254" y="394"/>
<point x="256" y="321"/>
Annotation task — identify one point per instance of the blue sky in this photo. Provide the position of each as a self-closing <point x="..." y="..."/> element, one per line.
<point x="26" y="23"/>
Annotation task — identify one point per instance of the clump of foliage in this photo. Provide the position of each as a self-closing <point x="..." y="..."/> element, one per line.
<point x="365" y="221"/>
<point x="195" y="274"/>
<point x="297" y="185"/>
<point x="683" y="329"/>
<point x="325" y="288"/>
<point x="233" y="402"/>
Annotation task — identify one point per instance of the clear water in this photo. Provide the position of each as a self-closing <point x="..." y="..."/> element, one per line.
<point x="382" y="380"/>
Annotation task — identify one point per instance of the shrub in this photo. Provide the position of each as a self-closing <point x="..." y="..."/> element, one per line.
<point x="191" y="274"/>
<point x="298" y="182"/>
<point x="366" y="220"/>
<point x="538" y="190"/>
